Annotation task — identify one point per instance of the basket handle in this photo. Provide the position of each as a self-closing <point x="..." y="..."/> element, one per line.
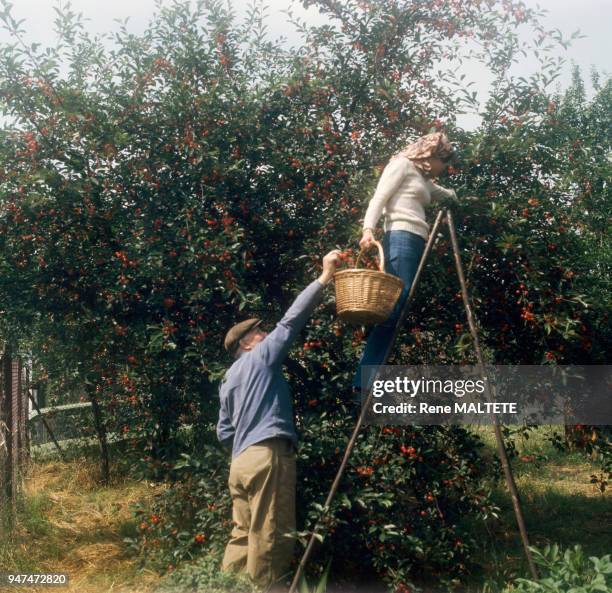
<point x="381" y="255"/>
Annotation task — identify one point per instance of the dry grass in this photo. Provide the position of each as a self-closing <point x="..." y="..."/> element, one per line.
<point x="72" y="525"/>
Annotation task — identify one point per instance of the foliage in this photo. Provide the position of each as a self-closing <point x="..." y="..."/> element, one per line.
<point x="535" y="266"/>
<point x="567" y="572"/>
<point x="204" y="575"/>
<point x="189" y="517"/>
<point x="405" y="493"/>
<point x="319" y="587"/>
<point x="153" y="192"/>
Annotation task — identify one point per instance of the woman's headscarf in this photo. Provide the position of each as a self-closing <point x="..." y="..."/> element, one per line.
<point x="431" y="145"/>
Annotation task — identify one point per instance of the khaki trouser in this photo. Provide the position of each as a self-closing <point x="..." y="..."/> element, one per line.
<point x="262" y="485"/>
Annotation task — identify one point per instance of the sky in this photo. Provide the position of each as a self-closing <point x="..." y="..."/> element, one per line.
<point x="592" y="17"/>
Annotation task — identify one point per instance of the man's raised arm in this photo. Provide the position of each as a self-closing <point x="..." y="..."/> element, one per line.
<point x="274" y="348"/>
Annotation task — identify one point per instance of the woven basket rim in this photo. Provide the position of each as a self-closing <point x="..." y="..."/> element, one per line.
<point x="361" y="271"/>
<point x="351" y="271"/>
<point x="361" y="310"/>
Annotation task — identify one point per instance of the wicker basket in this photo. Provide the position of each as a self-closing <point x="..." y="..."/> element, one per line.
<point x="366" y="297"/>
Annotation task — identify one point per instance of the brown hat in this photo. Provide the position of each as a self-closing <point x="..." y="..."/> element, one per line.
<point x="237" y="332"/>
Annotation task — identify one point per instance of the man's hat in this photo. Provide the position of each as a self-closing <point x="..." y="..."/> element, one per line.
<point x="237" y="332"/>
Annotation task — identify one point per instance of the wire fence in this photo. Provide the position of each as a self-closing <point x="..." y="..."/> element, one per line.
<point x="70" y="421"/>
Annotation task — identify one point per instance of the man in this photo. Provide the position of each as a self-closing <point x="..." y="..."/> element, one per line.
<point x="256" y="421"/>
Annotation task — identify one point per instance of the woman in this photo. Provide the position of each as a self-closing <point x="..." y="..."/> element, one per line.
<point x="404" y="189"/>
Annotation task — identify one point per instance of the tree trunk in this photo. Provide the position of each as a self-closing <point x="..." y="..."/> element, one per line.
<point x="101" y="434"/>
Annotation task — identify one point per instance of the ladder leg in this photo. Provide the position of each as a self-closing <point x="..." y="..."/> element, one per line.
<point x="501" y="449"/>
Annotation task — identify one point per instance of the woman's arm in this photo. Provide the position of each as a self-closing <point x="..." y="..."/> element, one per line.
<point x="390" y="180"/>
<point x="439" y="193"/>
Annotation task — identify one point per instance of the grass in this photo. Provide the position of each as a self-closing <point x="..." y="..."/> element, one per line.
<point x="559" y="505"/>
<point x="69" y="523"/>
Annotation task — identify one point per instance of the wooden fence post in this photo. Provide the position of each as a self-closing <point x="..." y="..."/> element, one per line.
<point x="4" y="432"/>
<point x="12" y="431"/>
<point x="24" y="417"/>
<point x="15" y="393"/>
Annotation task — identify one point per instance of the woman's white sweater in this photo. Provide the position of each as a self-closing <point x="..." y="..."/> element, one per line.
<point x="401" y="195"/>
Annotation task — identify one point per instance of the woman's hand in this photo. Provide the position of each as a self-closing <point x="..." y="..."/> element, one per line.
<point x="367" y="239"/>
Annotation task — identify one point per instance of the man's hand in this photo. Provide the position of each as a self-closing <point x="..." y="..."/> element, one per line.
<point x="367" y="239"/>
<point x="330" y="261"/>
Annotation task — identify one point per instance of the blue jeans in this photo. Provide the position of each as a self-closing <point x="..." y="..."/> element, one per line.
<point x="403" y="251"/>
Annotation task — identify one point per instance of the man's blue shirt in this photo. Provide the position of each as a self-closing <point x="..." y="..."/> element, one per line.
<point x="255" y="400"/>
